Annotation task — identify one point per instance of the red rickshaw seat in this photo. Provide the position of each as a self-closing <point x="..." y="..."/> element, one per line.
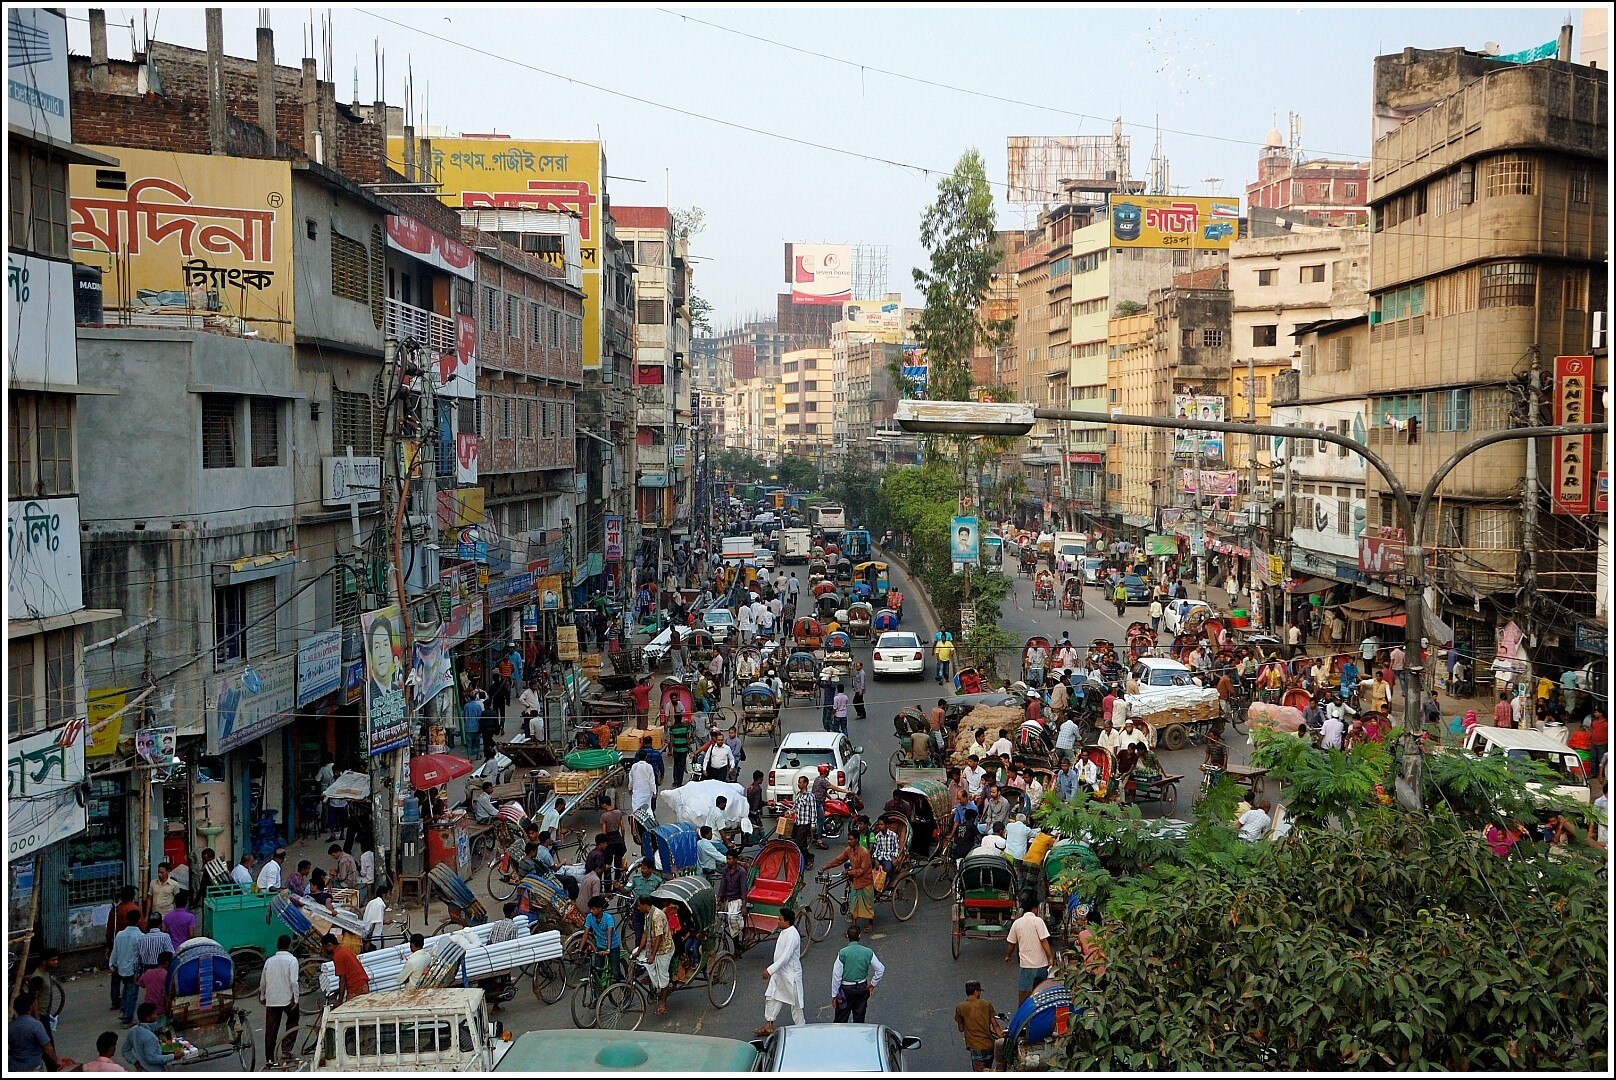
<point x="769" y="891"/>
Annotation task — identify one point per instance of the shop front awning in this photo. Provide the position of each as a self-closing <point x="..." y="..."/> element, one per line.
<point x="1368" y="607"/>
<point x="1398" y="620"/>
<point x="1312" y="585"/>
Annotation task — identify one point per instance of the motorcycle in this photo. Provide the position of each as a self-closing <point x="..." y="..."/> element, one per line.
<point x="839" y="811"/>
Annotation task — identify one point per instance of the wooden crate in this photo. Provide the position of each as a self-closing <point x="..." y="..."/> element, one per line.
<point x="575" y="782"/>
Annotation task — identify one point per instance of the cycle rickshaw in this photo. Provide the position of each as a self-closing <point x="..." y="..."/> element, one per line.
<point x="802" y="675"/>
<point x="700" y="961"/>
<point x="1072" y="597"/>
<point x="760" y="712"/>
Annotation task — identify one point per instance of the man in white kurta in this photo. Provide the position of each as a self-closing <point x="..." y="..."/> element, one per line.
<point x="641" y="785"/>
<point x="784" y="976"/>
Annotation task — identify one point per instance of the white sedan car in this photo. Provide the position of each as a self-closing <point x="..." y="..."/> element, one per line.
<point x="718" y="622"/>
<point x="898" y="652"/>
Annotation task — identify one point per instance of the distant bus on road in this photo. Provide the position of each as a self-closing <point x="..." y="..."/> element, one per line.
<point x="829" y="516"/>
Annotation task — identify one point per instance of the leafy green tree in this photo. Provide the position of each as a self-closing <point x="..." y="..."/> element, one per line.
<point x="798" y="472"/>
<point x="1368" y="938"/>
<point x="959" y="232"/>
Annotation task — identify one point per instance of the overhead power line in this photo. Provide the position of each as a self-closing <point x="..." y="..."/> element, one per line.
<point x="924" y="170"/>
<point x="919" y="80"/>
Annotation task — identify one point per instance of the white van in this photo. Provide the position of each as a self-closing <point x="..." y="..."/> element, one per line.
<point x="1571" y="775"/>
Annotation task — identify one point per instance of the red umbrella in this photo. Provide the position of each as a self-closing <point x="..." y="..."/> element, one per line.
<point x="435" y="770"/>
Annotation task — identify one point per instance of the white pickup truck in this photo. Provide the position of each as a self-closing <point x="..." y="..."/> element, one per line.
<point x="411" y="1031"/>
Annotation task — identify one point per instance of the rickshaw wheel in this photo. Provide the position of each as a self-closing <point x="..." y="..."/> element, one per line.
<point x="1169" y="796"/>
<point x="549" y="980"/>
<point x="308" y="978"/>
<point x="954" y="940"/>
<point x="246" y="1050"/>
<point x="823" y="915"/>
<point x="585" y="1004"/>
<point x="898" y="758"/>
<point x="721" y="980"/>
<point x="805" y="927"/>
<point x="249" y="966"/>
<point x="1237" y="719"/>
<point x="499" y="887"/>
<point x="728" y="718"/>
<point x="905" y="897"/>
<point x="937" y="879"/>
<point x="621" y="1007"/>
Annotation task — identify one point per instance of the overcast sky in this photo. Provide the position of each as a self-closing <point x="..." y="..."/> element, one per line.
<point x="1217" y="78"/>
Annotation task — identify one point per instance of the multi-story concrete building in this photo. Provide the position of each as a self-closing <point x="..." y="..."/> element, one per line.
<point x="1001" y="366"/>
<point x="1070" y="283"/>
<point x="1130" y="383"/>
<point x="1319" y="191"/>
<point x="661" y="378"/>
<point x="1488" y="256"/>
<point x="1320" y="488"/>
<point x="1279" y="283"/>
<point x="49" y="805"/>
<point x="807" y="399"/>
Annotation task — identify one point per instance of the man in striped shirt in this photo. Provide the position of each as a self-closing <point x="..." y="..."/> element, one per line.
<point x="805" y="811"/>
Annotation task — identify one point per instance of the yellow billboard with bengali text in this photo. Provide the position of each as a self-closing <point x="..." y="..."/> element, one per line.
<point x="525" y="174"/>
<point x="188" y="232"/>
<point x="1180" y="222"/>
<point x="104" y="733"/>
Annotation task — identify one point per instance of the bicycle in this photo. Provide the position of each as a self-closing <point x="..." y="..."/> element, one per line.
<point x="602" y="999"/>
<point x="902" y="894"/>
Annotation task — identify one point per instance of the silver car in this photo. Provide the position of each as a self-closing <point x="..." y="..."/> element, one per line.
<point x="831" y="1049"/>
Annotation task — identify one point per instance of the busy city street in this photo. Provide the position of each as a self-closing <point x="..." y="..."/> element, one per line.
<point x="738" y="539"/>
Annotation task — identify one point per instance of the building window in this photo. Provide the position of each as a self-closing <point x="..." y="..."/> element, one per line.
<point x="513" y="316"/>
<point x="61" y="687"/>
<point x="350" y="269"/>
<point x="266" y="432"/>
<point x="1494" y="528"/>
<point x="1581" y="186"/>
<point x="651" y="313"/>
<point x="1510" y="174"/>
<point x="1512" y="284"/>
<point x="1352" y="191"/>
<point x="555" y="329"/>
<point x="1212" y="337"/>
<point x="353" y="423"/>
<point x="41" y="430"/>
<point x="1265" y="336"/>
<point x="1574" y="289"/>
<point x="506" y="418"/>
<point x="651" y="253"/>
<point x="220" y="438"/>
<point x="39" y="208"/>
<point x="21" y="717"/>
<point x="534" y="325"/>
<point x="491" y="311"/>
<point x="1311" y="274"/>
<point x="1451" y="410"/>
<point x="229" y="619"/>
<point x="1266" y="277"/>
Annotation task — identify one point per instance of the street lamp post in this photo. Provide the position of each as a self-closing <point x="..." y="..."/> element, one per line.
<point x="1017" y="418"/>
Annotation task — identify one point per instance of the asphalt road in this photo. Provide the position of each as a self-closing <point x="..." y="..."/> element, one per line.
<point x="923" y="981"/>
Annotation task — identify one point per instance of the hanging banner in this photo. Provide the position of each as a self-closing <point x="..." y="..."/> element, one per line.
<point x="550" y="592"/>
<point x="1161" y="545"/>
<point x="567" y="644"/>
<point x="319" y="665"/>
<point x="1211" y="481"/>
<point x="104" y="733"/>
<point x="387" y="726"/>
<point x="1198" y="407"/>
<point x="430" y="671"/>
<point x="964" y="542"/>
<point x="614" y="537"/>
<point x="1573" y="454"/>
<point x="466" y="450"/>
<point x="254" y="702"/>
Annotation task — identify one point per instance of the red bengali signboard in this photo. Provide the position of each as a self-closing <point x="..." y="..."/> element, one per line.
<point x="1383" y="555"/>
<point x="1573" y="454"/>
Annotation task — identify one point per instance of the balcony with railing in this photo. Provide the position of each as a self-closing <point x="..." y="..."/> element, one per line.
<point x="434" y="332"/>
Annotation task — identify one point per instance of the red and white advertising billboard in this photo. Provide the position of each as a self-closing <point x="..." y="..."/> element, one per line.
<point x="1573" y="454"/>
<point x="1383" y="553"/>
<point x="820" y="273"/>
